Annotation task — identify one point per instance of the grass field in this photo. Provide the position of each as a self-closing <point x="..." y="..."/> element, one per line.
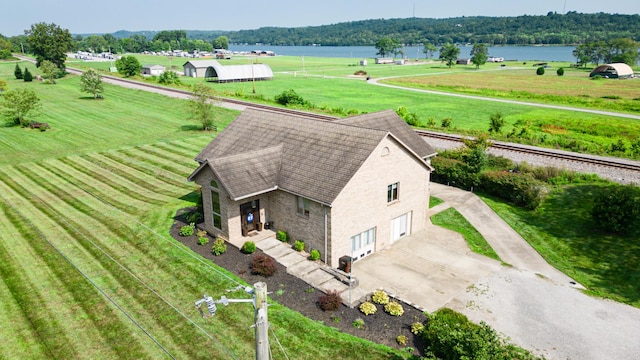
<point x="87" y="267"/>
<point x="329" y="84"/>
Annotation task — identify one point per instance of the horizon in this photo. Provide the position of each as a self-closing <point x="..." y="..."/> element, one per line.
<point x="121" y="15"/>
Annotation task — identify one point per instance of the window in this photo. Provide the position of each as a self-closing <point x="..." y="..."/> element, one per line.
<point x="363" y="243"/>
<point x="215" y="209"/>
<point x="214" y="184"/>
<point x="392" y="192"/>
<point x="302" y="205"/>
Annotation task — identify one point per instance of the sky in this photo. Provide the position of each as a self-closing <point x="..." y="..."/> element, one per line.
<point x="89" y="17"/>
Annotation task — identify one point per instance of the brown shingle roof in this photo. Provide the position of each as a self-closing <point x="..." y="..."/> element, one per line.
<point x="317" y="158"/>
<point x="388" y="120"/>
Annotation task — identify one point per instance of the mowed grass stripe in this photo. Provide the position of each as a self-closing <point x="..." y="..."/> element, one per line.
<point x="182" y="162"/>
<point x="120" y="199"/>
<point x="123" y="178"/>
<point x="139" y="172"/>
<point x="189" y="149"/>
<point x="163" y="322"/>
<point x="79" y="316"/>
<point x="181" y="171"/>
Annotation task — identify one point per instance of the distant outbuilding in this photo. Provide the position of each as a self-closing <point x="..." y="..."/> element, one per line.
<point x="613" y="71"/>
<point x="212" y="70"/>
<point x="153" y="69"/>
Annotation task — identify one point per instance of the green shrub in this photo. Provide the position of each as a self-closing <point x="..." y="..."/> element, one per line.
<point x="314" y="255"/>
<point x="380" y="297"/>
<point x="263" y="265"/>
<point x="27" y="77"/>
<point x="330" y="301"/>
<point x="17" y="72"/>
<point x="417" y="328"/>
<point x="282" y="236"/>
<point x="168" y="78"/>
<point x="187" y="230"/>
<point x="219" y="247"/>
<point x="394" y="308"/>
<point x="298" y="245"/>
<point x="540" y="70"/>
<point x="203" y="240"/>
<point x="450" y="335"/>
<point x="519" y="189"/>
<point x="401" y="340"/>
<point x="289" y="97"/>
<point x="201" y="233"/>
<point x="368" y="308"/>
<point x="616" y="209"/>
<point x="446" y="122"/>
<point x="249" y="247"/>
<point x="358" y="323"/>
<point x="194" y="217"/>
<point x="560" y="72"/>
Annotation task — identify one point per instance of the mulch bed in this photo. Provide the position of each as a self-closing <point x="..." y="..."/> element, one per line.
<point x="297" y="295"/>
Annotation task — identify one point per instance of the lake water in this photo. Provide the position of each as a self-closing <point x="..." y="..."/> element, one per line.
<point x="520" y="53"/>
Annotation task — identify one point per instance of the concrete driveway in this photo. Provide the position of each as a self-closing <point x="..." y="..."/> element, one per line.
<point x="530" y="302"/>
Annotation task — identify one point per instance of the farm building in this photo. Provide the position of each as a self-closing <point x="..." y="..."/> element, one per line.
<point x="613" y="71"/>
<point x="348" y="187"/>
<point x="153" y="69"/>
<point x="212" y="70"/>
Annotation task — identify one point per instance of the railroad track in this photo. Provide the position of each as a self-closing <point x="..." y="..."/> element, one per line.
<point x="556" y="154"/>
<point x="621" y="164"/>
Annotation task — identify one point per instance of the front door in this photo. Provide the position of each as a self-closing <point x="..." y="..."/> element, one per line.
<point x="250" y="216"/>
<point x="400" y="226"/>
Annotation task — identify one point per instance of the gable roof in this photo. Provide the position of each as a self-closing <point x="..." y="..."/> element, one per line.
<point x="388" y="120"/>
<point x="263" y="150"/>
<point x="201" y="64"/>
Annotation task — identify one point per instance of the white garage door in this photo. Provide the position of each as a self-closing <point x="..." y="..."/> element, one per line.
<point x="401" y="226"/>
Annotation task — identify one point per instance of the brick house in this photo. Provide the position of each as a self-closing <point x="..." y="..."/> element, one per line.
<point x="348" y="187"/>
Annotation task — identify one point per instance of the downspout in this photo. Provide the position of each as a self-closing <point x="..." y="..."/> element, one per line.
<point x="325" y="233"/>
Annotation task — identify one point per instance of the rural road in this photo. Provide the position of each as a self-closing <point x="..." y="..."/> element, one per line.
<point x="548" y="106"/>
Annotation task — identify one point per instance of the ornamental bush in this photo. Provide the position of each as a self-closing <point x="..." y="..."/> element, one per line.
<point x="219" y="247"/>
<point x="203" y="240"/>
<point x="27" y="77"/>
<point x="330" y="301"/>
<point x="417" y="328"/>
<point x="263" y="265"/>
<point x="368" y="308"/>
<point x="380" y="297"/>
<point x="540" y="70"/>
<point x="394" y="308"/>
<point x="282" y="236"/>
<point x="560" y="71"/>
<point x="314" y="255"/>
<point x="401" y="340"/>
<point x="17" y="72"/>
<point x="249" y="247"/>
<point x="298" y="245"/>
<point x="187" y="230"/>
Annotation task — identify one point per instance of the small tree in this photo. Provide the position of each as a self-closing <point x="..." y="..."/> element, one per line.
<point x="560" y="72"/>
<point x="27" y="77"/>
<point x="201" y="107"/>
<point x="475" y="155"/>
<point x="387" y="46"/>
<point x="221" y="42"/>
<point x="479" y="54"/>
<point x="449" y="53"/>
<point x="496" y="122"/>
<point x="16" y="104"/>
<point x="540" y="70"/>
<point x="168" y="78"/>
<point x="91" y="82"/>
<point x="429" y="49"/>
<point x="128" y="66"/>
<point x="49" y="70"/>
<point x="18" y="72"/>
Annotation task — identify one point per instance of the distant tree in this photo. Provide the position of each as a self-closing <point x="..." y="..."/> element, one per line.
<point x="91" y="82"/>
<point x="5" y="48"/>
<point x="18" y="72"/>
<point x="221" y="42"/>
<point x="449" y="53"/>
<point x="540" y="70"/>
<point x="16" y="104"/>
<point x="623" y="50"/>
<point x="27" y="77"/>
<point x="479" y="54"/>
<point x="560" y="71"/>
<point x="49" y="42"/>
<point x="128" y="66"/>
<point x="171" y="35"/>
<point x="429" y="49"/>
<point x="387" y="46"/>
<point x="201" y="107"/>
<point x="49" y="70"/>
<point x="168" y="78"/>
<point x="496" y="122"/>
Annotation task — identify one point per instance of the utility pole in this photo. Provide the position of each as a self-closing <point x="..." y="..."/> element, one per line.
<point x="261" y="321"/>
